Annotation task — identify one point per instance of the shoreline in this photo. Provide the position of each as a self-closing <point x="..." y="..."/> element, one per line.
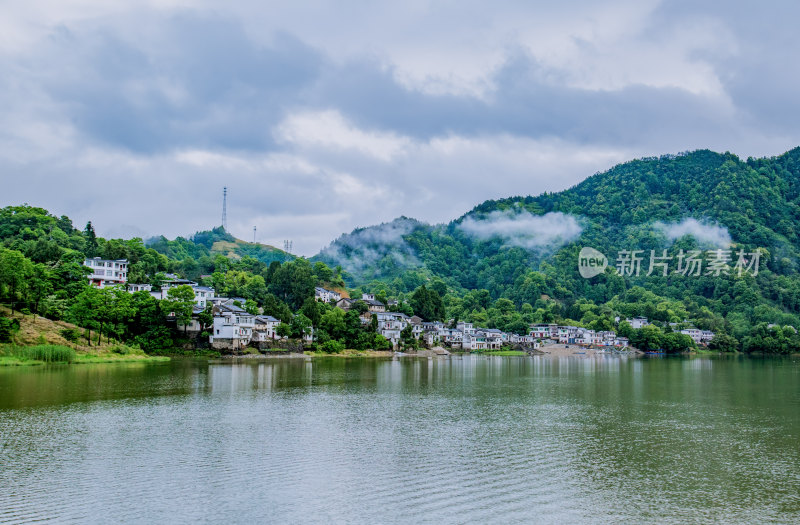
<point x="84" y="359"/>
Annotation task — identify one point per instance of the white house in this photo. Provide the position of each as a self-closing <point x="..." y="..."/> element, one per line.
<point x="107" y="272"/>
<point x="497" y="334"/>
<point x="133" y="288"/>
<point x="326" y="296"/>
<point x="480" y="340"/>
<point x="567" y="334"/>
<point x="203" y="295"/>
<point x="699" y="336"/>
<point x="233" y="328"/>
<point x="264" y="328"/>
<point x="638" y="322"/>
<point x="474" y="341"/>
<point x="372" y="303"/>
<point x="467" y="328"/>
<point x="540" y="331"/>
<point x="390" y="324"/>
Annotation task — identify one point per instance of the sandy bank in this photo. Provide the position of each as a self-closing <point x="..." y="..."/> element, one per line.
<point x="560" y="350"/>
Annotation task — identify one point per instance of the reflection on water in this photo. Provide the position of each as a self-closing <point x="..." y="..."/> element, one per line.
<point x="472" y="439"/>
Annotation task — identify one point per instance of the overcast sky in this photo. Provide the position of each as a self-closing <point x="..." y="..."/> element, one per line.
<point x="324" y="116"/>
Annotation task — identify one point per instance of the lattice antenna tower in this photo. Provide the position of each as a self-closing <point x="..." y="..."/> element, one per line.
<point x="287" y="246"/>
<point x="254" y="234"/>
<point x="225" y="208"/>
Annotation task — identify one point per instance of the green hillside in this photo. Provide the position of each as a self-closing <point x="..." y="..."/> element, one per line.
<point x="525" y="249"/>
<point x="213" y="242"/>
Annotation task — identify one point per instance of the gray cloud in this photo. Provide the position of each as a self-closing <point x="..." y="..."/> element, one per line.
<point x="134" y="115"/>
<point x="524" y="229"/>
<point x="200" y="82"/>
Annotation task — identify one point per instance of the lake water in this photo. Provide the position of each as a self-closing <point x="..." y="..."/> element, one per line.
<point x="460" y="440"/>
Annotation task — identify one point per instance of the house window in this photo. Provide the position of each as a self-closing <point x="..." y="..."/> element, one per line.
<point x="217" y="332"/>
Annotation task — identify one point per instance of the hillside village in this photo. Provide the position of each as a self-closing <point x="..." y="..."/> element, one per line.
<point x="235" y="328"/>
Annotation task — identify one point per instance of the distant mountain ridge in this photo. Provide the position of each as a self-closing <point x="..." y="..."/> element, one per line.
<point x="642" y="203"/>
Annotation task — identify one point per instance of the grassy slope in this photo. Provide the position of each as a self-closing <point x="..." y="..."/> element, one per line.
<point x="236" y="249"/>
<point x="35" y="330"/>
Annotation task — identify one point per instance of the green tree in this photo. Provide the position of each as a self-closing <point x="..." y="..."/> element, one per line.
<point x="180" y="301"/>
<point x="83" y="311"/>
<point x="675" y="342"/>
<point x="284" y="329"/>
<point x="427" y="304"/>
<point x="15" y="274"/>
<point x="724" y="343"/>
<point x="301" y="325"/>
<point x="312" y="310"/>
<point x="92" y="249"/>
<point x="40" y="285"/>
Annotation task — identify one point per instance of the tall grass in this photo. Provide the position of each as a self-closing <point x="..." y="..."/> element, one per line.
<point x="46" y="353"/>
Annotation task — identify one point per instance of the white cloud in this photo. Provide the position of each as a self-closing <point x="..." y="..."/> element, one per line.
<point x="328" y="129"/>
<point x="705" y="232"/>
<point x="524" y="229"/>
<point x="364" y="248"/>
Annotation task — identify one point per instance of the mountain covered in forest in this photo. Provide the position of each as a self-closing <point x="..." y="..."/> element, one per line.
<point x="526" y="249"/>
<point x="642" y="203"/>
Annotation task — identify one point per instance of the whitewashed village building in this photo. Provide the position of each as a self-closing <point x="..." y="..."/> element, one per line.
<point x="700" y="337"/>
<point x="638" y="322"/>
<point x="326" y="296"/>
<point x="203" y="295"/>
<point x="107" y="272"/>
<point x="233" y="328"/>
<point x="264" y="328"/>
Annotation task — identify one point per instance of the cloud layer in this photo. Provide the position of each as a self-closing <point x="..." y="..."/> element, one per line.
<point x="524" y="229"/>
<point x="365" y="248"/>
<point x="706" y="233"/>
<point x="138" y="113"/>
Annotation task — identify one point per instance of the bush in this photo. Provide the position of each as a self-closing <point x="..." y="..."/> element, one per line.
<point x="155" y="339"/>
<point x="70" y="334"/>
<point x="332" y="347"/>
<point x="120" y="349"/>
<point x="8" y="327"/>
<point x="381" y="343"/>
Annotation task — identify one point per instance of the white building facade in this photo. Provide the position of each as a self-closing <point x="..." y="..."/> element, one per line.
<point x="107" y="272"/>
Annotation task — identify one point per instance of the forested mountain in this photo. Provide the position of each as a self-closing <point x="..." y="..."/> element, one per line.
<point x="525" y="249"/>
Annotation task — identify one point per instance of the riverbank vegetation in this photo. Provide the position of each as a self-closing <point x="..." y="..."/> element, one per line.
<point x="12" y="355"/>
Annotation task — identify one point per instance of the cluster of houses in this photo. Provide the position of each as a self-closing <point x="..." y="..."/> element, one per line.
<point x="234" y="328"/>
